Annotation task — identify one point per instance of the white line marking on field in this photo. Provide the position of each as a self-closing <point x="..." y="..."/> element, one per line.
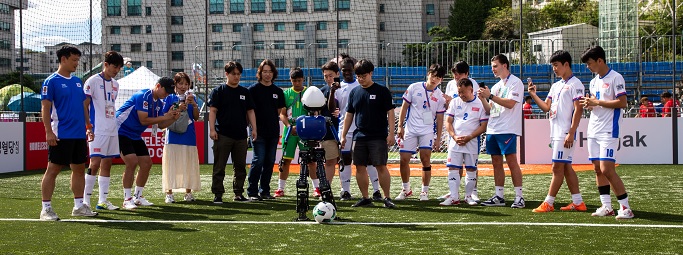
<point x="362" y="223"/>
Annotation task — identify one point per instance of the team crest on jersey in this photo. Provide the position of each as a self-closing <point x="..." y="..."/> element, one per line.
<point x="78" y="85"/>
<point x="44" y="90"/>
<point x="275" y="96"/>
<point x="64" y="86"/>
<point x="373" y="96"/>
<point x="242" y="97"/>
<point x="145" y="105"/>
<point x="435" y="99"/>
<point x="419" y="94"/>
<point x="620" y="86"/>
<point x="115" y="88"/>
<point x="606" y="85"/>
<point x="102" y="86"/>
<point x="475" y="109"/>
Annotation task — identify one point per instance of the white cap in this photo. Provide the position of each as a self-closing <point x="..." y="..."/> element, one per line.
<point x="313" y="97"/>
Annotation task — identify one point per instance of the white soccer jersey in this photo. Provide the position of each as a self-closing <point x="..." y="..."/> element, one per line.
<point x="342" y="97"/>
<point x="562" y="95"/>
<point x="102" y="108"/>
<point x="606" y="121"/>
<point x="504" y="120"/>
<point x="466" y="118"/>
<point x="424" y="106"/>
<point x="452" y="88"/>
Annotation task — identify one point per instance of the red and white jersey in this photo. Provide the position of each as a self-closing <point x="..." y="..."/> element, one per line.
<point x="504" y="120"/>
<point x="102" y="108"/>
<point x="342" y="97"/>
<point x="424" y="106"/>
<point x="452" y="88"/>
<point x="466" y="119"/>
<point x="562" y="95"/>
<point x="606" y="121"/>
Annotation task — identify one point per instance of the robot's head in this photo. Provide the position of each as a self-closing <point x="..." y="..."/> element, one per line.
<point x="313" y="98"/>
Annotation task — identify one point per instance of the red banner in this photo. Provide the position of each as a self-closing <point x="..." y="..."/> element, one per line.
<point x="36" y="146"/>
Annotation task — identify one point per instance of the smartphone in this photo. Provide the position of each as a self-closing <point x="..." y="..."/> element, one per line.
<point x="528" y="80"/>
<point x="336" y="79"/>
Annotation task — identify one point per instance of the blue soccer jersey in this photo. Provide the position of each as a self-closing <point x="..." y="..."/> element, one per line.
<point x="187" y="138"/>
<point x="127" y="115"/>
<point x="67" y="112"/>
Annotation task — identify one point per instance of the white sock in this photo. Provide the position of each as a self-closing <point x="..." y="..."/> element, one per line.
<point x="103" y="182"/>
<point x="406" y="186"/>
<point x="316" y="183"/>
<point x="374" y="179"/>
<point x="500" y="191"/>
<point x="454" y="184"/>
<point x="281" y="184"/>
<point x="126" y="193"/>
<point x="550" y="199"/>
<point x="138" y="191"/>
<point x="425" y="188"/>
<point x="606" y="200"/>
<point x="577" y="199"/>
<point x="47" y="204"/>
<point x="345" y="178"/>
<point x="623" y="203"/>
<point x="89" y="186"/>
<point x="518" y="191"/>
<point x="78" y="202"/>
<point x="470" y="181"/>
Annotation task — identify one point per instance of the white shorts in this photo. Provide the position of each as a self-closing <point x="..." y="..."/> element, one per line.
<point x="412" y="142"/>
<point x="457" y="159"/>
<point x="603" y="148"/>
<point x="104" y="146"/>
<point x="560" y="153"/>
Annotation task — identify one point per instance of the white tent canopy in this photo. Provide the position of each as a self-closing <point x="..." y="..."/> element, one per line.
<point x="142" y="78"/>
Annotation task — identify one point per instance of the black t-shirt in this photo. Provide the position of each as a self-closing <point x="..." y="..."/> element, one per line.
<point x="326" y="112"/>
<point x="232" y="105"/>
<point x="370" y="106"/>
<point x="267" y="103"/>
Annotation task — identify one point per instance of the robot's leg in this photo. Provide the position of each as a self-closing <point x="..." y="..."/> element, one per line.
<point x="325" y="189"/>
<point x="302" y="188"/>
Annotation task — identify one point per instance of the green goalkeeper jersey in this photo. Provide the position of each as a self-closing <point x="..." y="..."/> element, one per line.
<point x="295" y="107"/>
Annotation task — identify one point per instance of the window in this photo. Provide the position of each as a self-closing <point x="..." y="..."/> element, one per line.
<point x="343" y="43"/>
<point x="116" y="47"/>
<point x="300" y="62"/>
<point x="343" y="25"/>
<point x="113" y="7"/>
<point x="320" y="5"/>
<point x="236" y="45"/>
<point x="344" y="5"/>
<point x="217" y="7"/>
<point x="135" y="47"/>
<point x="216" y="28"/>
<point x="321" y="25"/>
<point x="5" y="62"/>
<point x="279" y="62"/>
<point x="258" y="6"/>
<point x="259" y="27"/>
<point x="300" y="26"/>
<point x="257" y="61"/>
<point x="236" y="6"/>
<point x="237" y="27"/>
<point x="280" y="26"/>
<point x="300" y="44"/>
<point x="5" y="45"/>
<point x="149" y="64"/>
<point x="148" y="11"/>
<point x="321" y="61"/>
<point x="259" y="45"/>
<point x="381" y="8"/>
<point x="322" y="44"/>
<point x="538" y="47"/>
<point x="148" y="29"/>
<point x="176" y="38"/>
<point x="299" y="5"/>
<point x="218" y="63"/>
<point x="5" y="26"/>
<point x="115" y="30"/>
<point x="217" y="45"/>
<point x="177" y="55"/>
<point x="176" y="20"/>
<point x="176" y="2"/>
<point x="279" y="45"/>
<point x="148" y="47"/>
<point x="136" y="64"/>
<point x="382" y="27"/>
<point x="134" y="8"/>
<point x="134" y="30"/>
<point x="177" y="70"/>
<point x="429" y="9"/>
<point x="4" y="8"/>
<point x="279" y="5"/>
<point x="430" y="25"/>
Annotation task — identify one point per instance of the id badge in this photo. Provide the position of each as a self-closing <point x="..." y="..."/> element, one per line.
<point x="109" y="111"/>
<point x="495" y="111"/>
<point x="553" y="112"/>
<point x="155" y="129"/>
<point x="427" y="118"/>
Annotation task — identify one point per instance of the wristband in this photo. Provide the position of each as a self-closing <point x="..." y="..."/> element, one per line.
<point x="491" y="97"/>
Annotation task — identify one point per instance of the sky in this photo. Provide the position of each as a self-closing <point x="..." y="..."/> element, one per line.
<point x="47" y="23"/>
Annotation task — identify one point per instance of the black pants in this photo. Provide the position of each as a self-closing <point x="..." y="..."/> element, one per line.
<point x="223" y="148"/>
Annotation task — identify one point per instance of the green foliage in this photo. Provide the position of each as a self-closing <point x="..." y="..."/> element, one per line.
<point x="467" y="18"/>
<point x="13" y="78"/>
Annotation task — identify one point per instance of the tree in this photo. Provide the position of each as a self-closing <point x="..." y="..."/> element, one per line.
<point x="468" y="16"/>
<point x="13" y="78"/>
<point x="587" y="13"/>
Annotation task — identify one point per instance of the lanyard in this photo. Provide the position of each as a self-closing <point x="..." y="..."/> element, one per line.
<point x="424" y="85"/>
<point x="505" y="92"/>
<point x="567" y="80"/>
<point x="104" y="86"/>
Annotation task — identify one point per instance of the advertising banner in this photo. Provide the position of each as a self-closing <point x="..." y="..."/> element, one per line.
<point x="36" y="146"/>
<point x="11" y="147"/>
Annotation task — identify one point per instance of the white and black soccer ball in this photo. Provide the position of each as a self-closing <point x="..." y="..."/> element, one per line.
<point x="324" y="212"/>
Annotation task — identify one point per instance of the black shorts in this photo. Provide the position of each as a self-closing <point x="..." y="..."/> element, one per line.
<point x="130" y="146"/>
<point x="68" y="151"/>
<point x="370" y="153"/>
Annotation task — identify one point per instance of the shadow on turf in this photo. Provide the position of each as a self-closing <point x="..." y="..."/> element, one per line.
<point x="141" y="227"/>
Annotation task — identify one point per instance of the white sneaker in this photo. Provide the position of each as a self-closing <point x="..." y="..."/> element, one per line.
<point x="450" y="201"/>
<point x="518" y="202"/>
<point x="475" y="197"/>
<point x="189" y="197"/>
<point x="404" y="194"/>
<point x="142" y="201"/>
<point x="424" y="196"/>
<point x="169" y="199"/>
<point x="129" y="204"/>
<point x="470" y="201"/>
<point x="106" y="206"/>
<point x="624" y="214"/>
<point x="603" y="211"/>
<point x="83" y="211"/>
<point x="444" y="197"/>
<point x="48" y="214"/>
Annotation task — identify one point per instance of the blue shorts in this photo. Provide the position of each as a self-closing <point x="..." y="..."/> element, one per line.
<point x="501" y="144"/>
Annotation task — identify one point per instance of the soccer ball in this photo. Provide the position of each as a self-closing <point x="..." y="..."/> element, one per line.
<point x="324" y="212"/>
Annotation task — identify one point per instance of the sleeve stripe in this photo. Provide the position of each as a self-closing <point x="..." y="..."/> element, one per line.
<point x="621" y="94"/>
<point x="405" y="99"/>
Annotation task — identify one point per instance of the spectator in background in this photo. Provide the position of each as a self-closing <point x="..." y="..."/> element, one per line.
<point x="128" y="69"/>
<point x="527" y="109"/>
<point x="668" y="102"/>
<point x="647" y="110"/>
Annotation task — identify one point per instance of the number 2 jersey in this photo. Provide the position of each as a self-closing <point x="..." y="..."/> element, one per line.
<point x="467" y="116"/>
<point x="606" y="121"/>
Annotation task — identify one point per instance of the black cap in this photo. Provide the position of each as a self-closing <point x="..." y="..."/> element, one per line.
<point x="167" y="84"/>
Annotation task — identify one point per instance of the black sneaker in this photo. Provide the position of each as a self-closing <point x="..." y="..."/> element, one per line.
<point x="218" y="199"/>
<point x="240" y="198"/>
<point x="363" y="202"/>
<point x="388" y="203"/>
<point x="255" y="198"/>
<point x="345" y="195"/>
<point x="494" y="201"/>
<point x="377" y="196"/>
<point x="267" y="196"/>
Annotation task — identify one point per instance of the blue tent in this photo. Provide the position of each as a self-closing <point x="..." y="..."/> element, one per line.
<point x="31" y="102"/>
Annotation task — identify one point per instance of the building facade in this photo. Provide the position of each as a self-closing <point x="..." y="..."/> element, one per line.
<point x="7" y="8"/>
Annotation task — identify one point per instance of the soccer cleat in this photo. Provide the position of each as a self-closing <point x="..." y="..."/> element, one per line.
<point x="142" y="201"/>
<point x="574" y="207"/>
<point x="189" y="197"/>
<point x="388" y="203"/>
<point x="279" y="193"/>
<point x="240" y="198"/>
<point x="129" y="204"/>
<point x="48" y="214"/>
<point x="345" y="195"/>
<point x="377" y="196"/>
<point x="169" y="199"/>
<point x="603" y="211"/>
<point x="106" y="205"/>
<point x="316" y="192"/>
<point x="83" y="211"/>
<point x="518" y="203"/>
<point x="267" y="196"/>
<point x="424" y="196"/>
<point x="218" y="199"/>
<point x="450" y="201"/>
<point x="444" y="197"/>
<point x="470" y="201"/>
<point x="403" y="195"/>
<point x="544" y="207"/>
<point x="255" y="198"/>
<point x="363" y="202"/>
<point x="494" y="201"/>
<point x="624" y="213"/>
